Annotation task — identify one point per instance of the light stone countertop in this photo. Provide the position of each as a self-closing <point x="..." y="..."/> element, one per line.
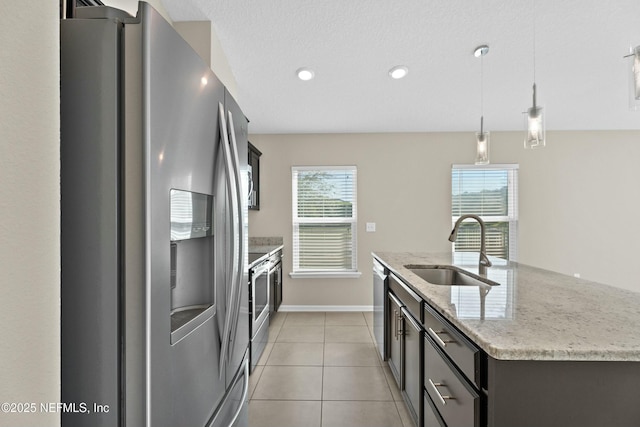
<point x="534" y="314"/>
<point x="265" y="241"/>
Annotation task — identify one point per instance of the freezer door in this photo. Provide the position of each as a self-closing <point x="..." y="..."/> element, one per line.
<point x="178" y="96"/>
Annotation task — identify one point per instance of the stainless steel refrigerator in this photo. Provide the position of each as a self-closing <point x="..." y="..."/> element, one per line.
<point x="154" y="186"/>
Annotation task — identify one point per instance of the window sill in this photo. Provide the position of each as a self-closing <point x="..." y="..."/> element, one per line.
<point x="325" y="275"/>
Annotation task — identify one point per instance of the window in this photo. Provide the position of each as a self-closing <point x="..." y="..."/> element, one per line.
<point x="491" y="192"/>
<point x="324" y="221"/>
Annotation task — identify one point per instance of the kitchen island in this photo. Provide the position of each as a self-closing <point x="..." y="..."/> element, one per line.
<point x="544" y="348"/>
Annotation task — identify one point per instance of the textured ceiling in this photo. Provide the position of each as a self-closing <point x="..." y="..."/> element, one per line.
<point x="582" y="79"/>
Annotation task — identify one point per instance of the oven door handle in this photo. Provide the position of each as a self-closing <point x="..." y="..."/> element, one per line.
<point x="260" y="268"/>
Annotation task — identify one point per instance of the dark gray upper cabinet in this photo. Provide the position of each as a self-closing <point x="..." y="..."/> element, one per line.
<point x="254" y="168"/>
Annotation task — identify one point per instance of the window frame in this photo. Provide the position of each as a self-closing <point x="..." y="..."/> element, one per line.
<point x="297" y="221"/>
<point x="512" y="217"/>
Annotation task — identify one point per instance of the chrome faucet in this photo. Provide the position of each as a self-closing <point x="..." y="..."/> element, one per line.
<point x="484" y="262"/>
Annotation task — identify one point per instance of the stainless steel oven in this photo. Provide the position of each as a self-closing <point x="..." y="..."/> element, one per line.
<point x="259" y="309"/>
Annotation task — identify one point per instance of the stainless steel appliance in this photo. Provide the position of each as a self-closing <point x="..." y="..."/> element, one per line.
<point x="379" y="304"/>
<point x="259" y="291"/>
<point x="154" y="190"/>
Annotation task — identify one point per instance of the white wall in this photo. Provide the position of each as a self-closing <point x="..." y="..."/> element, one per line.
<point x="29" y="208"/>
<point x="570" y="196"/>
<point x="199" y="34"/>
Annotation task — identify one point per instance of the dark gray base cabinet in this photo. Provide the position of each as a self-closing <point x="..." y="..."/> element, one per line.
<point x="563" y="393"/>
<point x="457" y="402"/>
<point x="432" y="417"/>
<point x="404" y="350"/>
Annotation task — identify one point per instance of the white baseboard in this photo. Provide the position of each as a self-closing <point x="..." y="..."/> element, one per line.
<point x="325" y="308"/>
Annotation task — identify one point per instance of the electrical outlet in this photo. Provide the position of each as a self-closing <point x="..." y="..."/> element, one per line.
<point x="371" y="227"/>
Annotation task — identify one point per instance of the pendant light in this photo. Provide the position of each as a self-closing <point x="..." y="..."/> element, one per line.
<point x="534" y="119"/>
<point x="482" y="137"/>
<point x="634" y="78"/>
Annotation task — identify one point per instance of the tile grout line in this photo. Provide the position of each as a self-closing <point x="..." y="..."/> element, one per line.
<point x="324" y="348"/>
<point x="370" y="343"/>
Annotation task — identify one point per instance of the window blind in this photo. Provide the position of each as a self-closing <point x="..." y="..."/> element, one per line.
<point x="490" y="192"/>
<point x="324" y="219"/>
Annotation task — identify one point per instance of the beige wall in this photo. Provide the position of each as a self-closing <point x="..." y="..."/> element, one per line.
<point x="204" y="40"/>
<point x="571" y="194"/>
<point x="29" y="208"/>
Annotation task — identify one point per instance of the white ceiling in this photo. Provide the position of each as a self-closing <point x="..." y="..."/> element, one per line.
<point x="581" y="75"/>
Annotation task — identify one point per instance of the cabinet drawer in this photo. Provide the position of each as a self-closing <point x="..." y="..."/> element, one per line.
<point x="432" y="417"/>
<point x="409" y="299"/>
<point x="456" y="401"/>
<point x="463" y="352"/>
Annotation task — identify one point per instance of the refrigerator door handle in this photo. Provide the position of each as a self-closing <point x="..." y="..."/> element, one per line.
<point x="245" y="392"/>
<point x="239" y="197"/>
<point x="232" y="194"/>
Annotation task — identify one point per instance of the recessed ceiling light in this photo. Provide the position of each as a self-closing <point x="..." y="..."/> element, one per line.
<point x="481" y="51"/>
<point x="305" y="74"/>
<point x="398" y="72"/>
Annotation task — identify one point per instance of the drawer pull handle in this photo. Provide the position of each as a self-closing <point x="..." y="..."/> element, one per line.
<point x="436" y="337"/>
<point x="443" y="399"/>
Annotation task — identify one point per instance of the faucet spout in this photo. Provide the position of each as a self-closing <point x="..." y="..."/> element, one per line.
<point x="483" y="262"/>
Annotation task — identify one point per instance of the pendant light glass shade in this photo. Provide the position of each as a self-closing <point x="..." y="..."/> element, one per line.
<point x="534" y="121"/>
<point x="482" y="148"/>
<point x="634" y="79"/>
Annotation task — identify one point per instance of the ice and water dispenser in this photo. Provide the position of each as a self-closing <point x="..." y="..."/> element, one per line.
<point x="192" y="261"/>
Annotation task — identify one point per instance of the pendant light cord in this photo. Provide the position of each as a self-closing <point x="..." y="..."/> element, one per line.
<point x="482" y="85"/>
<point x="534" y="41"/>
<point x="481" y="94"/>
<point x="482" y="80"/>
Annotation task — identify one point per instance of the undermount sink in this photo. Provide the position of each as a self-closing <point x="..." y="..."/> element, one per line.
<point x="448" y="276"/>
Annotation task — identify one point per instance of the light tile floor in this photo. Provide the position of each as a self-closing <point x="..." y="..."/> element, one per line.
<point x="322" y="370"/>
